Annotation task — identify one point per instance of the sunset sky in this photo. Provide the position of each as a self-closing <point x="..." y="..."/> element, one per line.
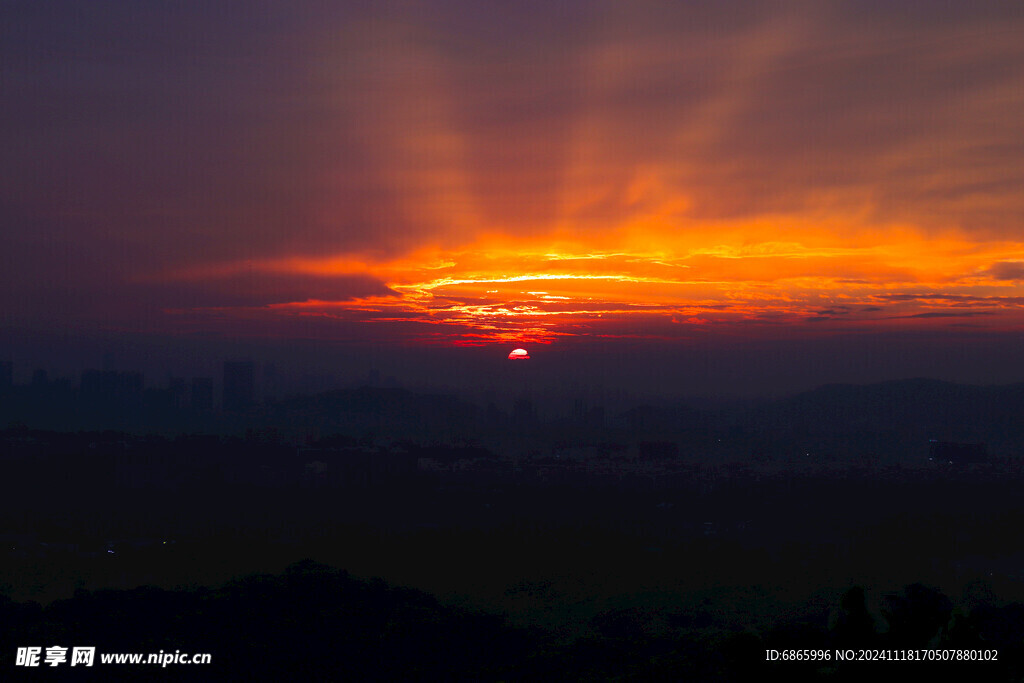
<point x="819" y="177"/>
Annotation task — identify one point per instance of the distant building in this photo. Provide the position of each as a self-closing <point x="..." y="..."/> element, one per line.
<point x="588" y="415"/>
<point x="109" y="384"/>
<point x="177" y="391"/>
<point x="202" y="394"/>
<point x="100" y="383"/>
<point x="523" y="413"/>
<point x="239" y="387"/>
<point x="950" y="453"/>
<point x="133" y="382"/>
<point x="270" y="382"/>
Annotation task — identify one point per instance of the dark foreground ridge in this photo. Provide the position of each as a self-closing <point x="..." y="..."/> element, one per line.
<point x="315" y="622"/>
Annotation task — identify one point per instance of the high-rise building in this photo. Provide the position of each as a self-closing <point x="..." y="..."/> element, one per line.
<point x="133" y="382"/>
<point x="523" y="413"/>
<point x="6" y="375"/>
<point x="176" y="390"/>
<point x="110" y="384"/>
<point x="102" y="384"/>
<point x="202" y="394"/>
<point x="239" y="388"/>
<point x="270" y="383"/>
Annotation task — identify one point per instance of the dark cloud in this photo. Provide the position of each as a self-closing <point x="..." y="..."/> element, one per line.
<point x="87" y="292"/>
<point x="1007" y="270"/>
<point x="955" y="299"/>
<point x="928" y="297"/>
<point x="944" y="314"/>
<point x="260" y="289"/>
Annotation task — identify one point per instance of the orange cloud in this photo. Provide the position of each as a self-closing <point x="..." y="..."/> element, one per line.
<point x="817" y="276"/>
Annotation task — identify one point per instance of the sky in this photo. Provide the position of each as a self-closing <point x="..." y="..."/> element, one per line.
<point x="746" y="196"/>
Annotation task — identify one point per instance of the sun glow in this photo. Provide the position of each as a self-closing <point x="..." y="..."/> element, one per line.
<point x="537" y="289"/>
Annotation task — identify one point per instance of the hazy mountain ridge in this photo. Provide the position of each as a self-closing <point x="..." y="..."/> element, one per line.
<point x="894" y="419"/>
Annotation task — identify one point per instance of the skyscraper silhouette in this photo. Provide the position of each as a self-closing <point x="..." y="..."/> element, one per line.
<point x="202" y="394"/>
<point x="239" y="389"/>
